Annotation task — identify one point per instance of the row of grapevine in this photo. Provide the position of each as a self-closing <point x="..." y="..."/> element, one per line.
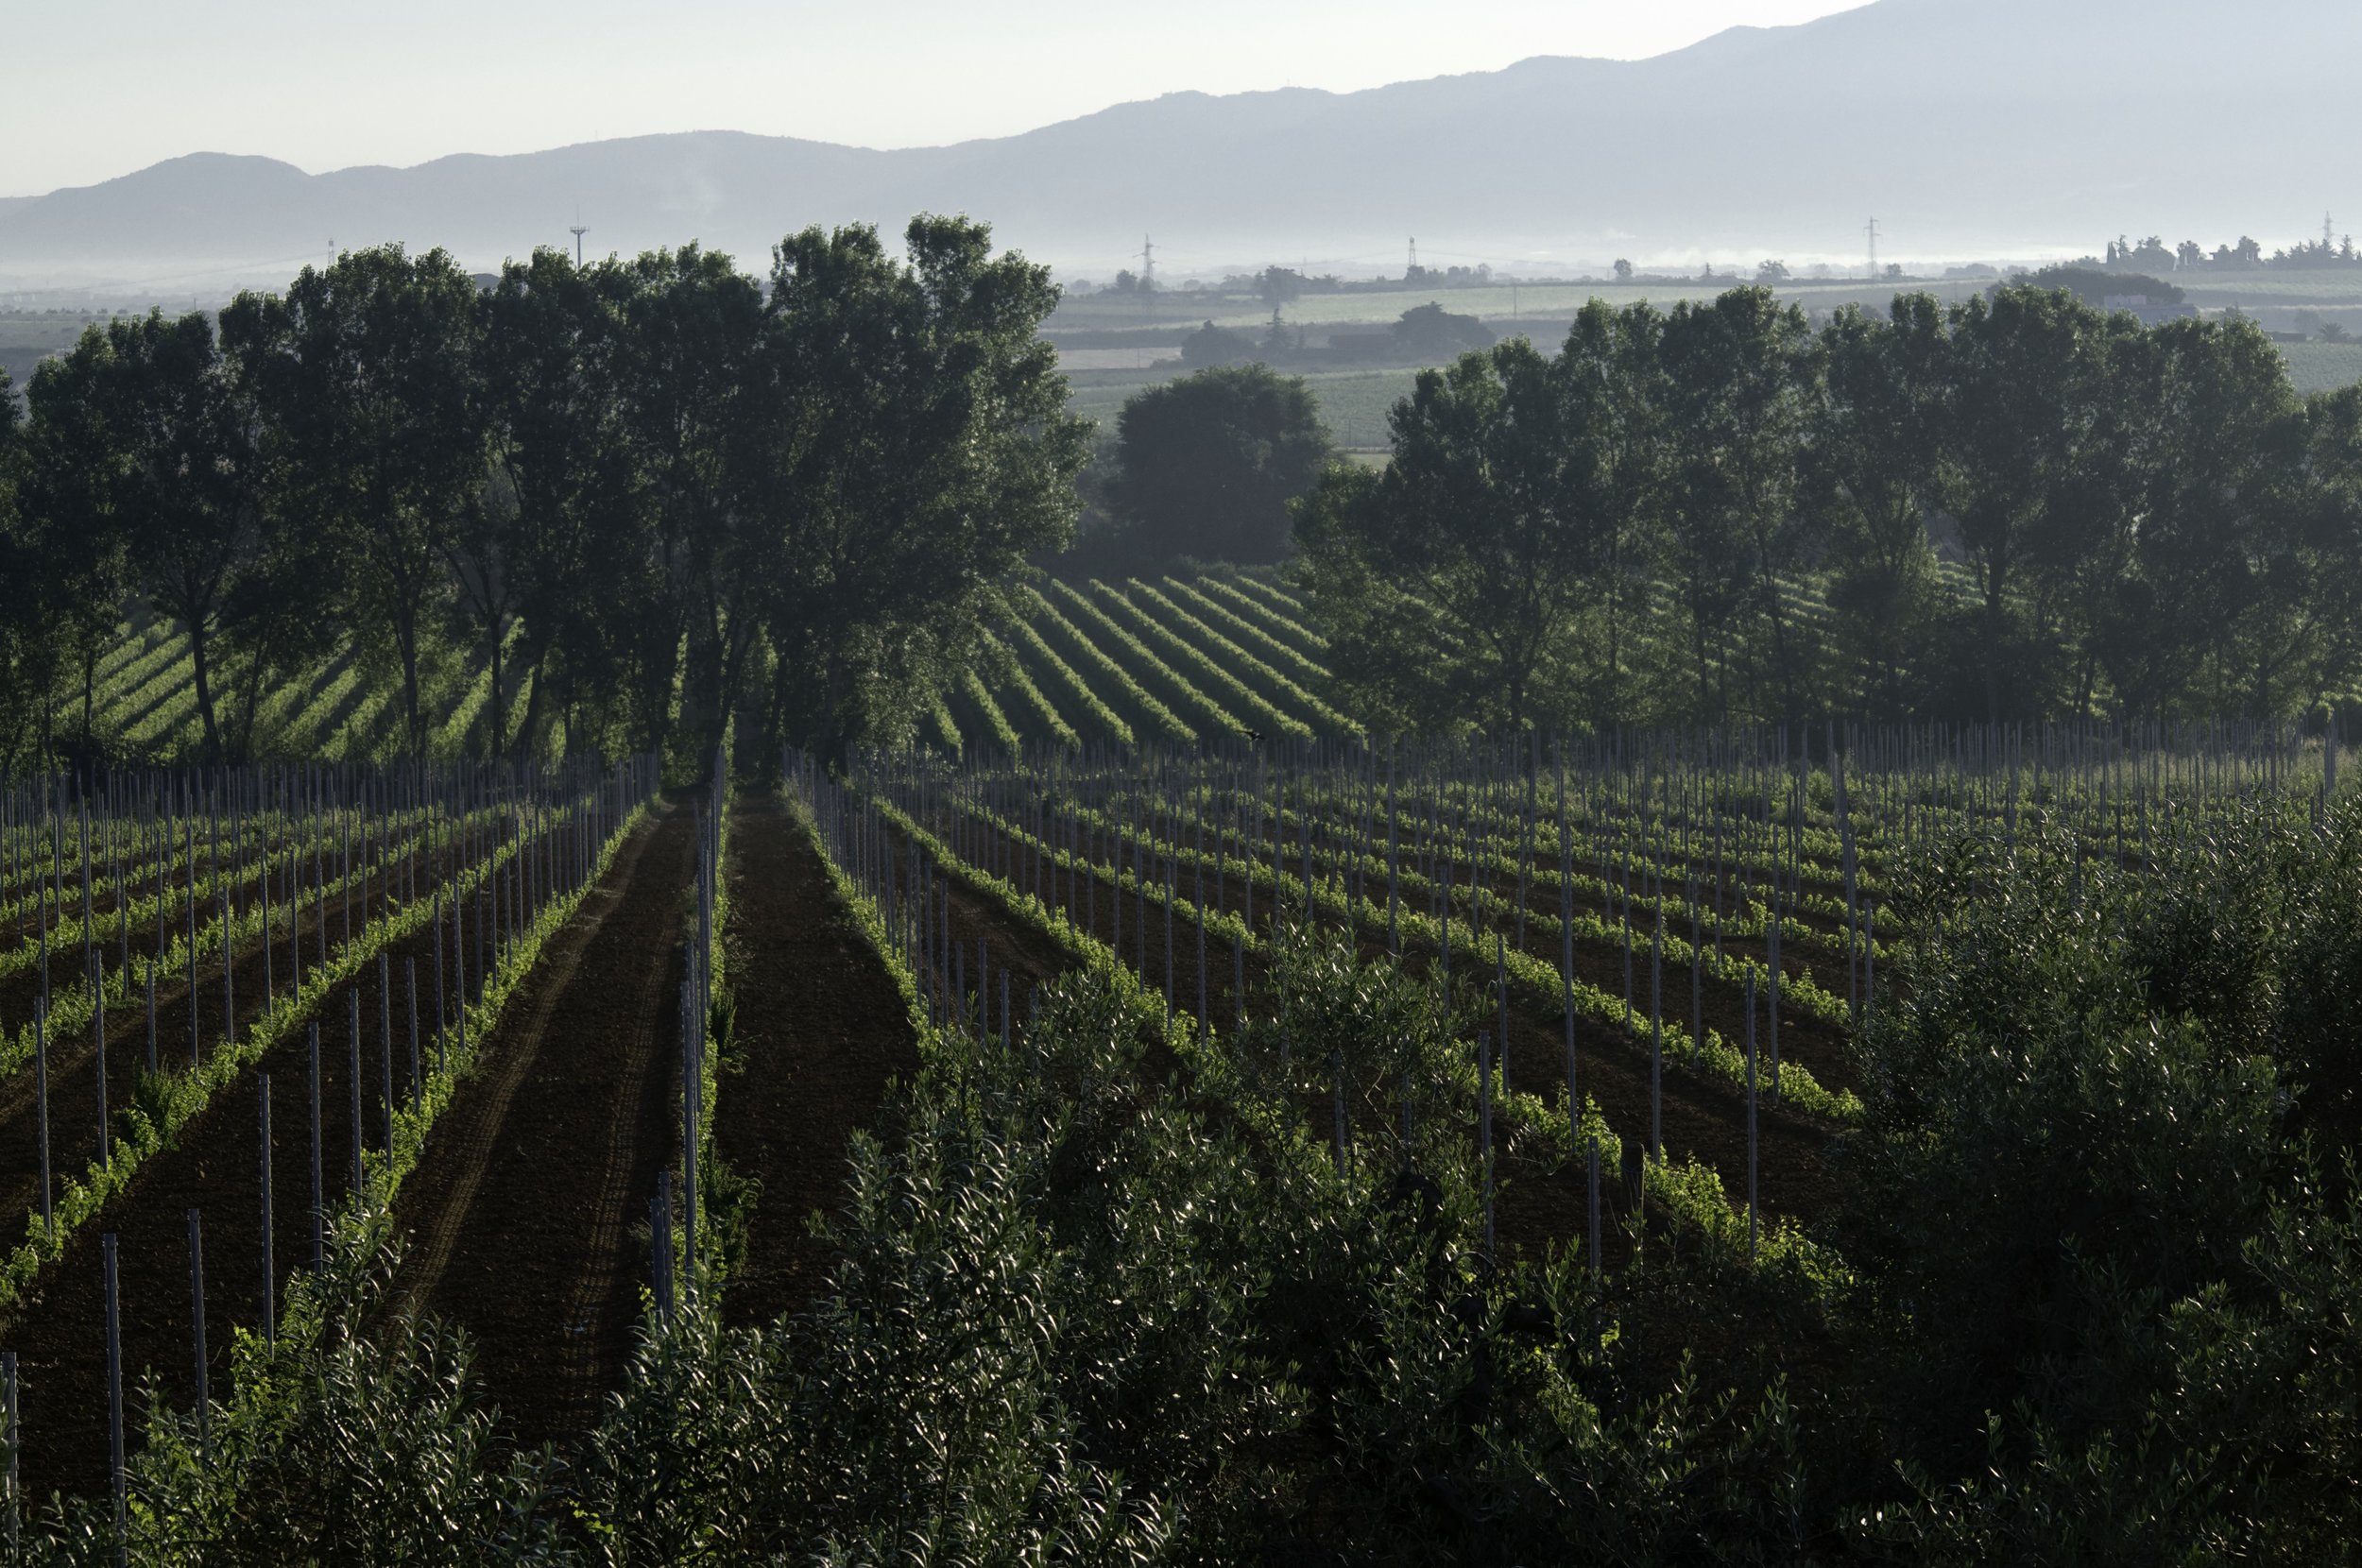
<point x="183" y="895"/>
<point x="1141" y="663"/>
<point x="1683" y="901"/>
<point x="143" y="704"/>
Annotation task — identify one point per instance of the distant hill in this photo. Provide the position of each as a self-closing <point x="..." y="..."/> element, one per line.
<point x="1969" y="126"/>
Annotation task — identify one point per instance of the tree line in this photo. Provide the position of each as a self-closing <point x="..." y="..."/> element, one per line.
<point x="2019" y="507"/>
<point x="673" y="494"/>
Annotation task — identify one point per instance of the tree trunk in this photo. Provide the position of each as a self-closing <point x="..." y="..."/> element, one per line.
<point x="498" y="734"/>
<point x="201" y="663"/>
<point x="526" y="730"/>
<point x="249" y="699"/>
<point x="406" y="643"/>
<point x="1992" y="655"/>
<point x="90" y="683"/>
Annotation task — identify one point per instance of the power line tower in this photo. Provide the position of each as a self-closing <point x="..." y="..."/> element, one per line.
<point x="1873" y="231"/>
<point x="1148" y="263"/>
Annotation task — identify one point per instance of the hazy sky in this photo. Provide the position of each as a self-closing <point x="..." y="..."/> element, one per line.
<point x="99" y="88"/>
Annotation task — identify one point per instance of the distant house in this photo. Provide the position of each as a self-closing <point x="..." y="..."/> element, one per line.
<point x="2152" y="316"/>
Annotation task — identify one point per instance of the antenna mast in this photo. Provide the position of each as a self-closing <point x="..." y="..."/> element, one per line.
<point x="1414" y="269"/>
<point x="1148" y="263"/>
<point x="1874" y="250"/>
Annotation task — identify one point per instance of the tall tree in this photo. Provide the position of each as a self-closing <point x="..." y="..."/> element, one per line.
<point x="914" y="448"/>
<point x="2085" y="562"/>
<point x="1454" y="583"/>
<point x="1208" y="464"/>
<point x="2225" y="600"/>
<point x="693" y="323"/>
<point x="561" y="544"/>
<point x="72" y="479"/>
<point x="1739" y="376"/>
<point x="184" y="467"/>
<point x="369" y="366"/>
<point x="2023" y="396"/>
<point x="1873" y="462"/>
<point x="19" y="600"/>
<point x="1609" y="377"/>
<point x="2332" y="535"/>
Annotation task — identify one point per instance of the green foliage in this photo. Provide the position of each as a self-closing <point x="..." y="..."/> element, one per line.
<point x="917" y="451"/>
<point x="1430" y="331"/>
<point x="1738" y="382"/>
<point x="650" y="499"/>
<point x="2093" y="286"/>
<point x="367" y="373"/>
<point x="1211" y="345"/>
<point x="1207" y="464"/>
<point x="2152" y="524"/>
<point x="2093" y="1219"/>
<point x="1496" y="555"/>
<point x="1872" y="471"/>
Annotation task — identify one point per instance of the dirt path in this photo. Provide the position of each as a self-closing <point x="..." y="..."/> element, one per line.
<point x="820" y="1032"/>
<point x="521" y="1206"/>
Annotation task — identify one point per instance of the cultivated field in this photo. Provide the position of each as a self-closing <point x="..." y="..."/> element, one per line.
<point x="588" y="1049"/>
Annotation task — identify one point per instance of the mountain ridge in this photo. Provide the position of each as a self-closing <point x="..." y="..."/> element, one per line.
<point x="1970" y="127"/>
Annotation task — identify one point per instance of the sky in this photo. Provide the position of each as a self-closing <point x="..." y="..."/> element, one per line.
<point x="99" y="88"/>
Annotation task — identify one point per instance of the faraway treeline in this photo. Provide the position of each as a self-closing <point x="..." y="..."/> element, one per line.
<point x="2020" y="508"/>
<point x="671" y="493"/>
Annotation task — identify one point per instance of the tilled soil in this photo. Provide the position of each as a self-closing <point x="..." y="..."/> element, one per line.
<point x="213" y="1166"/>
<point x="522" y="1208"/>
<point x="820" y="1034"/>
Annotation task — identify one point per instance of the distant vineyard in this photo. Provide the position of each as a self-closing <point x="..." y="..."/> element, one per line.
<point x="144" y="705"/>
<point x="1163" y="660"/>
<point x="1169" y="659"/>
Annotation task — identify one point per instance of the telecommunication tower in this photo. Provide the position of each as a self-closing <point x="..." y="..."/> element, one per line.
<point x="1873" y="231"/>
<point x="577" y="232"/>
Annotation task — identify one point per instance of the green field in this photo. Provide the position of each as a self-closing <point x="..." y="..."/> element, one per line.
<point x="2322" y="367"/>
<point x="1353" y="402"/>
